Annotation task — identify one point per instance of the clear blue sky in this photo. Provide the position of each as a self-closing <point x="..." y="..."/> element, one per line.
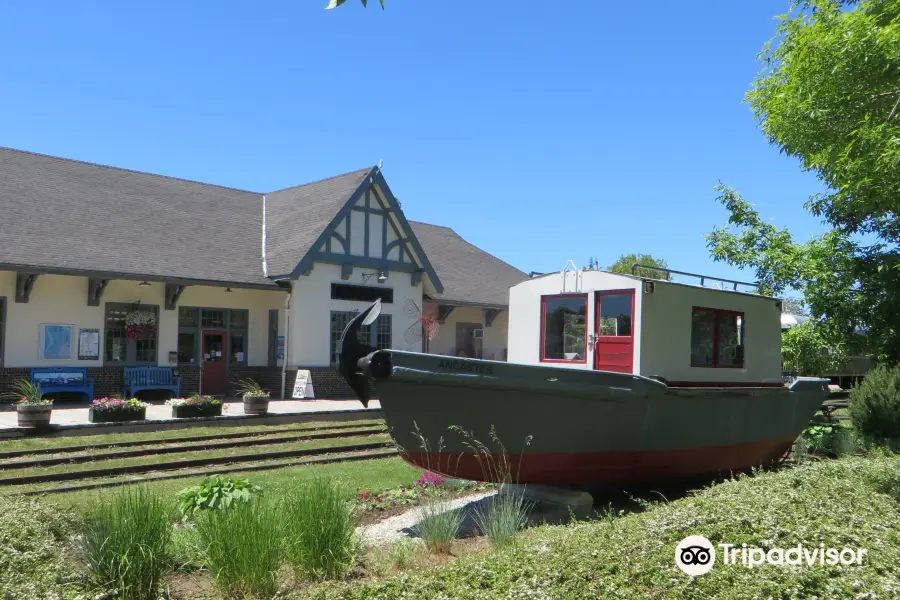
<point x="540" y="131"/>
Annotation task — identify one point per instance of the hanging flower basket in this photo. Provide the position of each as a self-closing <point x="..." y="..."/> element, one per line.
<point x="140" y="324"/>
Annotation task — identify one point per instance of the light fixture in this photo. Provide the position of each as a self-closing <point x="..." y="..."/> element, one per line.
<point x="143" y="284"/>
<point x="648" y="287"/>
<point x="382" y="275"/>
<point x="228" y="289"/>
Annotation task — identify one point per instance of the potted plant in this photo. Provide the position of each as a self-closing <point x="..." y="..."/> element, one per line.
<point x="116" y="410"/>
<point x="33" y="410"/>
<point x="256" y="399"/>
<point x="195" y="406"/>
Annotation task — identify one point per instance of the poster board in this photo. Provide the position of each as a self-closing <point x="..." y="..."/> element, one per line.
<point x="303" y="386"/>
<point x="55" y="342"/>
<point x="88" y="344"/>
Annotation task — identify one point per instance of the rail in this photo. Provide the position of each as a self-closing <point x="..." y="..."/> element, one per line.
<point x="669" y="272"/>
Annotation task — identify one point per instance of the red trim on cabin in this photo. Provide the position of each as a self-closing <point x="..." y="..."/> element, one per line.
<point x="544" y="324"/>
<point x="623" y="340"/>
<point x="715" y="353"/>
<point x="747" y="384"/>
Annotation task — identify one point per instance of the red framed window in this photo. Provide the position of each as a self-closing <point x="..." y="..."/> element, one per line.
<point x="717" y="338"/>
<point x="564" y="328"/>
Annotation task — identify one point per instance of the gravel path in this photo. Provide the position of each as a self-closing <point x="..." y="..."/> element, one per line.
<point x="399" y="526"/>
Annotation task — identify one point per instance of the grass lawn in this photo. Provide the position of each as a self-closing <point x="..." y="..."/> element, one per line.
<point x="369" y="474"/>
<point x="853" y="502"/>
<point x="38" y="443"/>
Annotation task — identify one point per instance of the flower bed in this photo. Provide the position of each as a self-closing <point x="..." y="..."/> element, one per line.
<point x="115" y="410"/>
<point x="429" y="484"/>
<point x="195" y="406"/>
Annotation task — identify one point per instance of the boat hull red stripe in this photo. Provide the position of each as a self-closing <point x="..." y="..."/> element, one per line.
<point x="612" y="468"/>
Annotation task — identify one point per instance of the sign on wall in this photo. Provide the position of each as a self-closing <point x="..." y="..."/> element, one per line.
<point x="55" y="341"/>
<point x="303" y="387"/>
<point x="88" y="344"/>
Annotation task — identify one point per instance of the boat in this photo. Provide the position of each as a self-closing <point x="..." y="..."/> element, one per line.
<point x="612" y="380"/>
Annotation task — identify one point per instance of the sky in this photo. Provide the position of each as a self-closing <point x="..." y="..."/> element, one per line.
<point x="540" y="131"/>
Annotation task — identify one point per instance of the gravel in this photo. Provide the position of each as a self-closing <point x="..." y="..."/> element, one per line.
<point x="400" y="526"/>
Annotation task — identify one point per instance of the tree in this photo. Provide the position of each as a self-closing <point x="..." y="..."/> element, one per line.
<point x="829" y="95"/>
<point x="625" y="262"/>
<point x="336" y="3"/>
<point x="807" y="352"/>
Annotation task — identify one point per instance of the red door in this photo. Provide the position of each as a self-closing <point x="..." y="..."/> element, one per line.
<point x="614" y="330"/>
<point x="215" y="374"/>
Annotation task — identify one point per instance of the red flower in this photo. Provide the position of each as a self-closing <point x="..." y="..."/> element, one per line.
<point x="378" y="499"/>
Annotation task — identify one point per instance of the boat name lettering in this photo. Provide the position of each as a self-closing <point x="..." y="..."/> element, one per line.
<point x="458" y="365"/>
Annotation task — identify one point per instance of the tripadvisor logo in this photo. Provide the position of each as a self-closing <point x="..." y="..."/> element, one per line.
<point x="696" y="555"/>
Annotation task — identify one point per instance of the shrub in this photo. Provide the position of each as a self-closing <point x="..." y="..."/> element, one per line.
<point x="505" y="515"/>
<point x="403" y="552"/>
<point x="32" y="536"/>
<point x="214" y="493"/>
<point x="438" y="525"/>
<point x="319" y="530"/>
<point x="875" y="404"/>
<point x="240" y="548"/>
<point x="125" y="541"/>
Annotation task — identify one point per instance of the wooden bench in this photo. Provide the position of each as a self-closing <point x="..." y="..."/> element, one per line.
<point x="150" y="378"/>
<point x="63" y="379"/>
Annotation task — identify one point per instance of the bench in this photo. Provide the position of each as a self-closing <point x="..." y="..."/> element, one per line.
<point x="63" y="379"/>
<point x="150" y="378"/>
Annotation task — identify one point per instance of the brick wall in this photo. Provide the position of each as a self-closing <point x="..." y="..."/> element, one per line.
<point x="327" y="383"/>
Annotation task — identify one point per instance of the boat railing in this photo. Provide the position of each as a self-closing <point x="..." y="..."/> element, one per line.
<point x="718" y="282"/>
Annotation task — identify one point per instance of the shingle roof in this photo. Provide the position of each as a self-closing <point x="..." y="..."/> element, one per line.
<point x="469" y="274"/>
<point x="296" y="216"/>
<point x="66" y="214"/>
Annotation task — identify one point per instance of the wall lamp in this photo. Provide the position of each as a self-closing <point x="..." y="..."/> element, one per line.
<point x="648" y="287"/>
<point x="382" y="275"/>
<point x="143" y="284"/>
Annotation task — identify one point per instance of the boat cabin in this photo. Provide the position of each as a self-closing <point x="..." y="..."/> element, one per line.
<point x="688" y="334"/>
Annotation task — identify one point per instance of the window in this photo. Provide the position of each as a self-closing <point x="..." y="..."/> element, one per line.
<point x="615" y="314"/>
<point x="131" y="333"/>
<point x="191" y="320"/>
<point x="563" y="323"/>
<point x="273" y="337"/>
<point x="378" y="334"/>
<point x="361" y="293"/>
<point x="2" y="327"/>
<point x="717" y="338"/>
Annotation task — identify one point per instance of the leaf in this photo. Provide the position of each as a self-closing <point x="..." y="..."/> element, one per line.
<point x="334" y="4"/>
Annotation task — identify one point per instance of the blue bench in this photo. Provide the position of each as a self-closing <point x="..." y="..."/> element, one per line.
<point x="63" y="379"/>
<point x="150" y="378"/>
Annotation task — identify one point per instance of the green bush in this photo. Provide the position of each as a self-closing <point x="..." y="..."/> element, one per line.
<point x="214" y="493"/>
<point x="504" y="517"/>
<point x="32" y="538"/>
<point x="438" y="525"/>
<point x="319" y="530"/>
<point x="125" y="543"/>
<point x="241" y="548"/>
<point x="875" y="404"/>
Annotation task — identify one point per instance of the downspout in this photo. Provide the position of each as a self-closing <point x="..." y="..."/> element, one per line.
<point x="287" y="337"/>
<point x="265" y="266"/>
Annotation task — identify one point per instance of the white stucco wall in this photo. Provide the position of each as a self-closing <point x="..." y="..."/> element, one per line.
<point x="524" y="337"/>
<point x="494" y="341"/>
<point x="62" y="299"/>
<point x="667" y="335"/>
<point x="311" y="307"/>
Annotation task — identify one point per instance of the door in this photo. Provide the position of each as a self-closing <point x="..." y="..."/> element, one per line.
<point x="614" y="331"/>
<point x="466" y="343"/>
<point x="215" y="372"/>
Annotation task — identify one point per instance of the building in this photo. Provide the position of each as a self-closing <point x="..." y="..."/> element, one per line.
<point x="103" y="268"/>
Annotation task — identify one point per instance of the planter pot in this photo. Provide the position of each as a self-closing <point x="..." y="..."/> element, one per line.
<point x="37" y="415"/>
<point x="256" y="406"/>
<point x="116" y="416"/>
<point x="189" y="411"/>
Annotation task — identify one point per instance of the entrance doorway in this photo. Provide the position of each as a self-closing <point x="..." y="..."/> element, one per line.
<point x="215" y="373"/>
<point x="614" y="330"/>
<point x="466" y="343"/>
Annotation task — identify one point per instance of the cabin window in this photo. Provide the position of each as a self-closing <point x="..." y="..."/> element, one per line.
<point x="563" y="326"/>
<point x="615" y="314"/>
<point x="717" y="338"/>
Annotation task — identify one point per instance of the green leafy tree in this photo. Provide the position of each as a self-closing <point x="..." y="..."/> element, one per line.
<point x="626" y="261"/>
<point x="806" y="349"/>
<point x="829" y="95"/>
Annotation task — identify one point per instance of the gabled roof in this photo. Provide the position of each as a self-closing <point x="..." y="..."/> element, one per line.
<point x="296" y="217"/>
<point x="69" y="215"/>
<point x="470" y="275"/>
